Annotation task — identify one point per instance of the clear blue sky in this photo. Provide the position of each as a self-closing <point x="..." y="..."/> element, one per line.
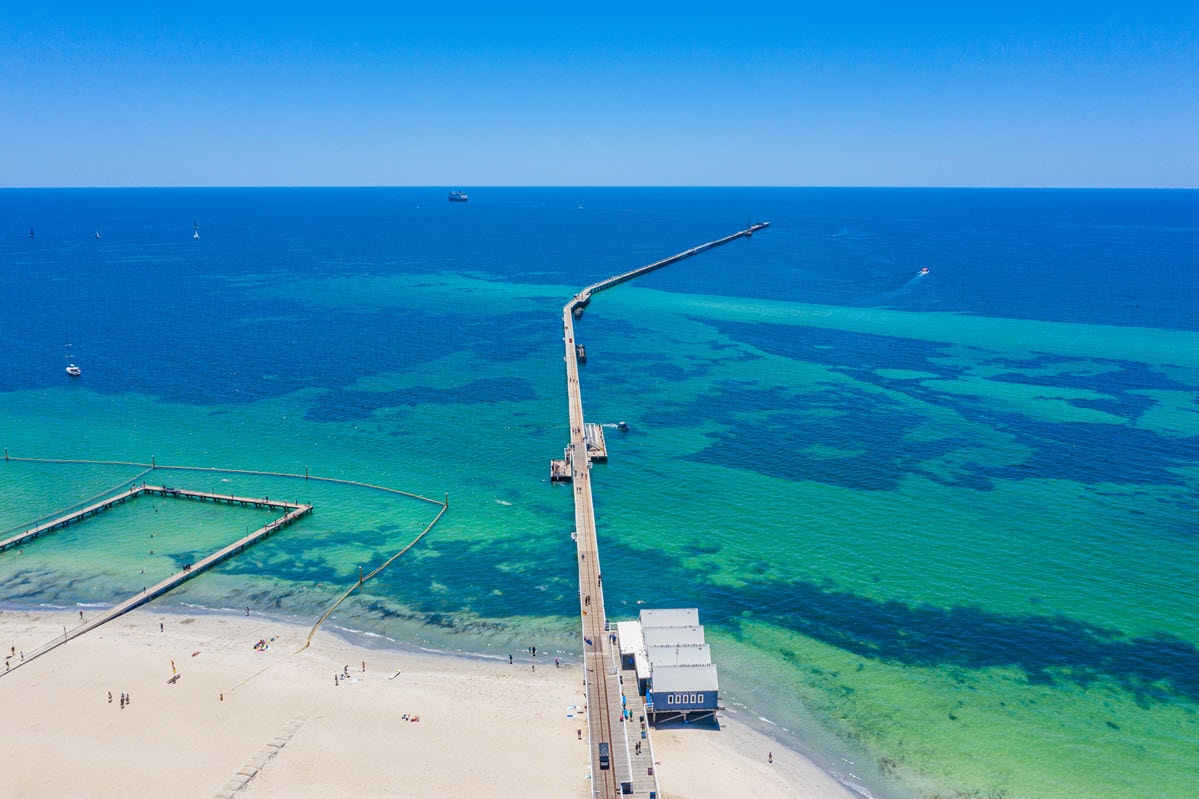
<point x="465" y="94"/>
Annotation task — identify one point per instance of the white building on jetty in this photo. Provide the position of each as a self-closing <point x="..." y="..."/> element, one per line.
<point x="673" y="663"/>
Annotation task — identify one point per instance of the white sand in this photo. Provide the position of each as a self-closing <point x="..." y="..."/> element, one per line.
<point x="486" y="728"/>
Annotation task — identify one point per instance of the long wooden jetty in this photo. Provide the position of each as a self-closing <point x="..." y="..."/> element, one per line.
<point x="626" y="771"/>
<point x="293" y="511"/>
<point x="583" y="298"/>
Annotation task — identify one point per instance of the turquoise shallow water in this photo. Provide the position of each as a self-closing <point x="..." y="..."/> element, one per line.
<point x="940" y="528"/>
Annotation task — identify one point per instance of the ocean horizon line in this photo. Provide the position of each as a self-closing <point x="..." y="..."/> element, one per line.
<point x="614" y="186"/>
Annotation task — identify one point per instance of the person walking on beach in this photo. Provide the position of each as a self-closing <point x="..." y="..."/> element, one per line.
<point x="770" y="757"/>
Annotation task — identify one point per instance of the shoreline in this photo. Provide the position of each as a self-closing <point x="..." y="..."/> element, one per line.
<point x="279" y="716"/>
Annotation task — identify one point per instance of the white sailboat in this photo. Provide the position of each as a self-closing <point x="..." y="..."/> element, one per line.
<point x="195" y="230"/>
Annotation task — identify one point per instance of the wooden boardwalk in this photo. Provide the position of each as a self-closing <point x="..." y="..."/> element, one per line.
<point x="629" y="773"/>
<point x="294" y="510"/>
<point x="65" y="519"/>
<point x="604" y="710"/>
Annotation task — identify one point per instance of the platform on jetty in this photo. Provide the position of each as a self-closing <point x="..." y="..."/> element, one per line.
<point x="294" y="510"/>
<point x="625" y="772"/>
<point x="597" y="448"/>
<point x="560" y="469"/>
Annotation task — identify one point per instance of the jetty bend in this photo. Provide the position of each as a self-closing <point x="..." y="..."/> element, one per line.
<point x="620" y="764"/>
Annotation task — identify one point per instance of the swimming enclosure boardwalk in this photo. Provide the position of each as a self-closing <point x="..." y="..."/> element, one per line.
<point x="64" y="520"/>
<point x="627" y="772"/>
<point x="294" y="510"/>
<point x="124" y="496"/>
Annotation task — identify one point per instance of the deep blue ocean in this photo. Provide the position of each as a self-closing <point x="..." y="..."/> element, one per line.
<point x="941" y="527"/>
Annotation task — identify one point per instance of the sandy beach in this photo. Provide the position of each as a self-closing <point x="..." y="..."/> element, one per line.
<point x="274" y="722"/>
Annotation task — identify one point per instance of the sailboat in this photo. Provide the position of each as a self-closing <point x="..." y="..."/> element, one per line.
<point x="195" y="230"/>
<point x="97" y="234"/>
<point x="72" y="369"/>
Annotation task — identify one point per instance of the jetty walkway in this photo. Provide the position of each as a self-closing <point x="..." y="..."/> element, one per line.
<point x="627" y="770"/>
<point x="293" y="511"/>
<point x="583" y="298"/>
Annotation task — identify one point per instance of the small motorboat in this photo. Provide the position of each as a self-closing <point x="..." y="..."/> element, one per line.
<point x="924" y="270"/>
<point x="72" y="369"/>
